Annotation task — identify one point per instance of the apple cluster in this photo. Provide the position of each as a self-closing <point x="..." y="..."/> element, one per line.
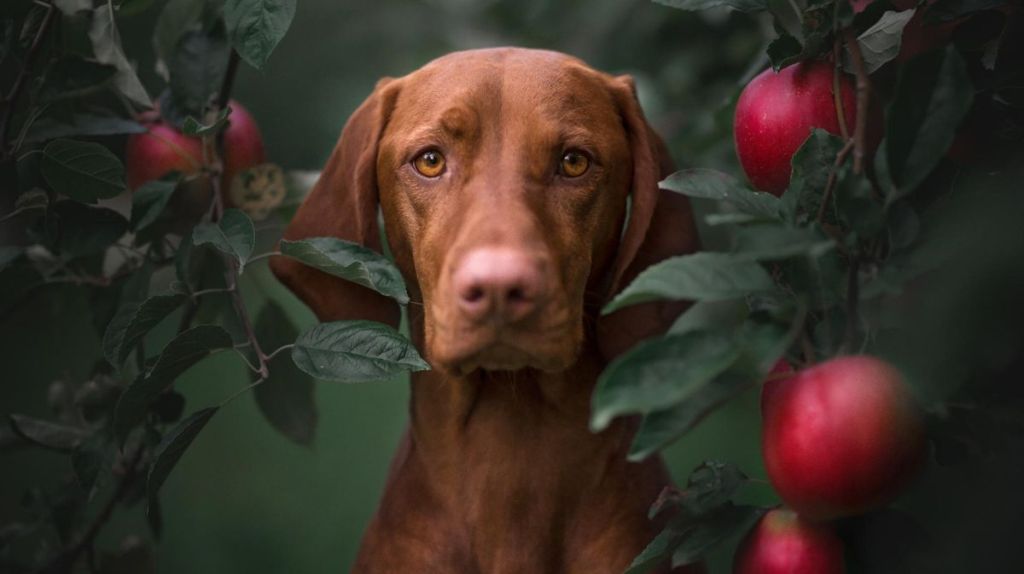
<point x="839" y="438"/>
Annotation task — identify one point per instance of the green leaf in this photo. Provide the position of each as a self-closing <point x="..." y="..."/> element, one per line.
<point x="73" y="77"/>
<point x="192" y="126"/>
<point x="256" y="26"/>
<point x="659" y="549"/>
<point x="196" y="65"/>
<point x="234" y="235"/>
<point x="658" y="373"/>
<point x="92" y="462"/>
<point x="82" y="170"/>
<point x="351" y="262"/>
<point x="177" y="17"/>
<point x="81" y="123"/>
<point x="711" y="316"/>
<point x="185" y="350"/>
<point x="710" y="486"/>
<point x="106" y="45"/>
<point x="171" y="448"/>
<point x="132" y="322"/>
<point x="150" y="200"/>
<point x="881" y="42"/>
<point x="72" y="7"/>
<point x="748" y="6"/>
<point x="774" y="241"/>
<point x="760" y="345"/>
<point x="729" y="522"/>
<point x="933" y="94"/>
<point x="32" y="199"/>
<point x="77" y="229"/>
<point x="783" y="51"/>
<point x="702" y="276"/>
<point x="811" y="165"/>
<point x="47" y="434"/>
<point x="355" y="351"/>
<point x="286" y="399"/>
<point x="711" y="184"/>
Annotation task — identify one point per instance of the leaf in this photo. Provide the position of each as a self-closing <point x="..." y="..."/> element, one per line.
<point x="351" y="262"/>
<point x="106" y="45"/>
<point x="78" y="229"/>
<point x="72" y="7"/>
<point x="710" y="486"/>
<point x="81" y="123"/>
<point x="723" y="315"/>
<point x="711" y="184"/>
<point x="171" y="448"/>
<point x="933" y="94"/>
<point x="658" y="373"/>
<point x="783" y="51"/>
<point x="286" y="399"/>
<point x="192" y="126"/>
<point x="659" y="549"/>
<point x="196" y="65"/>
<point x="84" y="171"/>
<point x="150" y="200"/>
<point x="728" y="522"/>
<point x="748" y="6"/>
<point x="234" y="235"/>
<point x="256" y="26"/>
<point x="760" y="345"/>
<point x="881" y="42"/>
<point x="32" y="199"/>
<point x="811" y="165"/>
<point x="8" y="254"/>
<point x="771" y="242"/>
<point x="74" y="77"/>
<point x="185" y="350"/>
<point x="132" y="322"/>
<point x="92" y="462"/>
<point x="355" y="351"/>
<point x="175" y="19"/>
<point x="702" y="276"/>
<point x="47" y="434"/>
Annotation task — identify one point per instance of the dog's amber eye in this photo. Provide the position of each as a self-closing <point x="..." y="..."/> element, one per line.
<point x="575" y="164"/>
<point x="429" y="163"/>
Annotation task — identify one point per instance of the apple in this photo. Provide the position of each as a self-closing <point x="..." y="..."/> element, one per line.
<point x="776" y="112"/>
<point x="842" y="437"/>
<point x="782" y="542"/>
<point x="162" y="149"/>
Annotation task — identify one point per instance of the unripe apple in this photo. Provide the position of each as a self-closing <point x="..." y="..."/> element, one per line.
<point x="776" y="112"/>
<point x="841" y="437"/>
<point x="784" y="543"/>
<point x="163" y="149"/>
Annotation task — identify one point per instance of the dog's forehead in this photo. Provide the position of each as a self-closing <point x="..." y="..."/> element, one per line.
<point x="510" y="79"/>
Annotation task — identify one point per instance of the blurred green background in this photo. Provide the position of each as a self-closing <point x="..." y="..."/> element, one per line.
<point x="244" y="499"/>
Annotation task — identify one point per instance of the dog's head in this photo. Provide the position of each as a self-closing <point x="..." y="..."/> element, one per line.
<point x="503" y="177"/>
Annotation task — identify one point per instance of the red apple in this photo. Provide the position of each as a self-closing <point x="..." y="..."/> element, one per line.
<point x="842" y="437"/>
<point x="784" y="543"/>
<point x="163" y="149"/>
<point x="776" y="112"/>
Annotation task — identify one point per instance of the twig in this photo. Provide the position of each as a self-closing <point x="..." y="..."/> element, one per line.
<point x="863" y="100"/>
<point x="66" y="560"/>
<point x="10" y="102"/>
<point x="836" y="92"/>
<point x="278" y="350"/>
<point x="833" y="176"/>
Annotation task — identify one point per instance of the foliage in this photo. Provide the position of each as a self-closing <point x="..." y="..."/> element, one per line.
<point x="151" y="262"/>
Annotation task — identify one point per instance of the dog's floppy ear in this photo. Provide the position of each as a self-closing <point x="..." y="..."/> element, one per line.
<point x="343" y="204"/>
<point x="660" y="225"/>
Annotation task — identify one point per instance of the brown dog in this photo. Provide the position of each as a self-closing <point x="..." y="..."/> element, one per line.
<point x="503" y="177"/>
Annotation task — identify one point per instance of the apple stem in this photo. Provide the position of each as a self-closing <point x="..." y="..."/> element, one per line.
<point x="863" y="100"/>
<point x="20" y="82"/>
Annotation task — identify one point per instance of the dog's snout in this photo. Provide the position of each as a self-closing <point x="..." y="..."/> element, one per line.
<point x="499" y="284"/>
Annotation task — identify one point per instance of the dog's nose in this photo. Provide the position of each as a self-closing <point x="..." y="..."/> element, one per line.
<point x="500" y="284"/>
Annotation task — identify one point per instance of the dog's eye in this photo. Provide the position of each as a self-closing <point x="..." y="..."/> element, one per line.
<point x="429" y="163"/>
<point x="575" y="164"/>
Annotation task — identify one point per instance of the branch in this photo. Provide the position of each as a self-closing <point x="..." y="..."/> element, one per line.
<point x="837" y="93"/>
<point x="11" y="100"/>
<point x="863" y="100"/>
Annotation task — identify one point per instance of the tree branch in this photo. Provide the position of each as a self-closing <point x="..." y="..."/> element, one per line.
<point x="11" y="101"/>
<point x="863" y="100"/>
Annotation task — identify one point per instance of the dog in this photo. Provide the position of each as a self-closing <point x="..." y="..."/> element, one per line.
<point x="519" y="192"/>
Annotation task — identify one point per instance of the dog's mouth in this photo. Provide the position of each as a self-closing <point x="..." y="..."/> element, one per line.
<point x="492" y="349"/>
